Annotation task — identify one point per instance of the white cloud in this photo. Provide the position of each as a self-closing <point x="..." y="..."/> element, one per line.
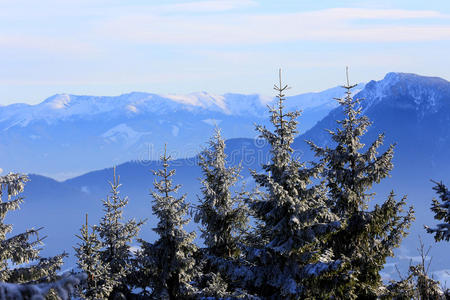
<point x="212" y="122"/>
<point x="337" y="24"/>
<point x="206" y="6"/>
<point x="371" y="14"/>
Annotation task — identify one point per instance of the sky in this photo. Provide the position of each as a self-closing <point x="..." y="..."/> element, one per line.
<point x="110" y="47"/>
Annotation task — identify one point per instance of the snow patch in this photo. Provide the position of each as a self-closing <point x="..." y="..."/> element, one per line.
<point x="135" y="249"/>
<point x="123" y="133"/>
<point x="60" y="102"/>
<point x="202" y="99"/>
<point x="85" y="189"/>
<point x="132" y="108"/>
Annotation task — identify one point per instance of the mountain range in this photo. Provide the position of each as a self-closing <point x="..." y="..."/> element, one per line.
<point x="67" y="135"/>
<point x="413" y="111"/>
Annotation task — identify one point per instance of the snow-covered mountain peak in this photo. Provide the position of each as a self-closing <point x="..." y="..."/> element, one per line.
<point x="422" y="93"/>
<point x="199" y="100"/>
<point x="58" y="101"/>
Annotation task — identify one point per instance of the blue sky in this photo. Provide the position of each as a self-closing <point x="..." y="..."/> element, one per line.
<point x="108" y="47"/>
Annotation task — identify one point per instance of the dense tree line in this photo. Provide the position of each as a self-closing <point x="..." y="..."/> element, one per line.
<point x="305" y="232"/>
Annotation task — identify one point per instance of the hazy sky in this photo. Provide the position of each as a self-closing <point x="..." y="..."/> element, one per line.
<point x="111" y="47"/>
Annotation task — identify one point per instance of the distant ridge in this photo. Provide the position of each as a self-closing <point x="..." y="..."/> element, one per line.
<point x="67" y="134"/>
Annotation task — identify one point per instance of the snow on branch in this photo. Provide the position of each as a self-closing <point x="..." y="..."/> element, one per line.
<point x="63" y="287"/>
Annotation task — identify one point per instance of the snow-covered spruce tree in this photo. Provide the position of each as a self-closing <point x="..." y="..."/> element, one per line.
<point x="294" y="218"/>
<point x="168" y="263"/>
<point x="116" y="236"/>
<point x="17" y="252"/>
<point x="89" y="260"/>
<point x="441" y="209"/>
<point x="223" y="217"/>
<point x="367" y="238"/>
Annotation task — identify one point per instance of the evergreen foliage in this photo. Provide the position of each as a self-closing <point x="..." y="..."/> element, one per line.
<point x="168" y="264"/>
<point x="89" y="260"/>
<point x="17" y="252"/>
<point x="293" y="214"/>
<point x="441" y="209"/>
<point x="367" y="238"/>
<point x="116" y="237"/>
<point x="105" y="253"/>
<point x="315" y="236"/>
<point x="222" y="215"/>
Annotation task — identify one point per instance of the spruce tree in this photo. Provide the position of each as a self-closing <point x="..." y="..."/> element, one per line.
<point x="294" y="217"/>
<point x="222" y="214"/>
<point x="17" y="252"/>
<point x="367" y="238"/>
<point x="89" y="260"/>
<point x="116" y="236"/>
<point x="169" y="262"/>
<point x="441" y="209"/>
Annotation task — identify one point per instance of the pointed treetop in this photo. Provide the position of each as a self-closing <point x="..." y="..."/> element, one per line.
<point x="348" y="86"/>
<point x="115" y="179"/>
<point x="280" y="89"/>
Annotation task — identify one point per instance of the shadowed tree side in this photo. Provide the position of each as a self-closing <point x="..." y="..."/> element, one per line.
<point x="167" y="267"/>
<point x="223" y="217"/>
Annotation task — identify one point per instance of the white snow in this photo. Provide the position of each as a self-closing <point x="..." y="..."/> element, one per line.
<point x="85" y="189"/>
<point x="60" y="102"/>
<point x="132" y="108"/>
<point x="123" y="133"/>
<point x="65" y="106"/>
<point x="203" y="100"/>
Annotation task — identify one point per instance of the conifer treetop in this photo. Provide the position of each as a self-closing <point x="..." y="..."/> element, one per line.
<point x="116" y="235"/>
<point x="366" y="237"/>
<point x="292" y="211"/>
<point x="164" y="201"/>
<point x="220" y="212"/>
<point x="351" y="170"/>
<point x="170" y="260"/>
